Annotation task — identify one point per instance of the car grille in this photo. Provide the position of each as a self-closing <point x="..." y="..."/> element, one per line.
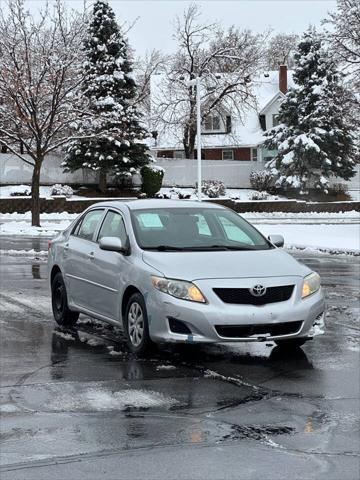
<point x="243" y="331"/>
<point x="243" y="295"/>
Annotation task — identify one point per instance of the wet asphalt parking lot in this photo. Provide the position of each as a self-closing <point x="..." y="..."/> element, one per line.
<point x="76" y="405"/>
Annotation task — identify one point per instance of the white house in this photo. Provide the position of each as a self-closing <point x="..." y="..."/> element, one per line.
<point x="226" y="136"/>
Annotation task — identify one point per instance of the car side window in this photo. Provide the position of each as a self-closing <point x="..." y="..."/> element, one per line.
<point x="113" y="226"/>
<point x="89" y="224"/>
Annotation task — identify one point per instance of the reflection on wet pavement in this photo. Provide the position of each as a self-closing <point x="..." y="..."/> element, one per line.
<point x="82" y="387"/>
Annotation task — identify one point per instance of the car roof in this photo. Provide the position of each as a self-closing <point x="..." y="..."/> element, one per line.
<point x="156" y="203"/>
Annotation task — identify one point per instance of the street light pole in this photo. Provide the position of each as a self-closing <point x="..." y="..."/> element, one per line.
<point x="198" y="136"/>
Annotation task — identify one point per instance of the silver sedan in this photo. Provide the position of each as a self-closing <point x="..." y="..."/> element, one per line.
<point x="180" y="271"/>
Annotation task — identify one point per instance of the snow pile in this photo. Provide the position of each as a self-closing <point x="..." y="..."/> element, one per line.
<point x="113" y="352"/>
<point x="259" y="196"/>
<point x="165" y="367"/>
<point x="107" y="400"/>
<point x="25" y="253"/>
<point x="64" y="190"/>
<point x="213" y="188"/>
<point x="65" y="336"/>
<point x="20" y="191"/>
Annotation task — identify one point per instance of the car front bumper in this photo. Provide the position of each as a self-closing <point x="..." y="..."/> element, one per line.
<point x="202" y="319"/>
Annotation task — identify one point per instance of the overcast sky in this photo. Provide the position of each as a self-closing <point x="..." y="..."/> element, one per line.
<point x="154" y="27"/>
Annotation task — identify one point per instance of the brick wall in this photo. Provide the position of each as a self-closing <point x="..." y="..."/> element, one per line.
<point x="60" y="204"/>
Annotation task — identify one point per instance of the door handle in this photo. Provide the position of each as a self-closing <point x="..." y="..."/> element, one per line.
<point x="91" y="256"/>
<point x="66" y="246"/>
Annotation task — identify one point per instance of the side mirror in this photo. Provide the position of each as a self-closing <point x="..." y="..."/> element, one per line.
<point x="277" y="240"/>
<point x="112" y="244"/>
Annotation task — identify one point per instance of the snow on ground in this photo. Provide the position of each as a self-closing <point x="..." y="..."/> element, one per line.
<point x="24" y="228"/>
<point x="25" y="253"/>
<point x="238" y="194"/>
<point x="44" y="216"/>
<point x="45" y="192"/>
<point x="105" y="400"/>
<point x="5" y="191"/>
<point x="355" y="195"/>
<point x="335" y="238"/>
<point x="326" y="231"/>
<point x="351" y="216"/>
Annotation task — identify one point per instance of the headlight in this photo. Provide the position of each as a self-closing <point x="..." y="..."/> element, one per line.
<point x="311" y="284"/>
<point x="178" y="289"/>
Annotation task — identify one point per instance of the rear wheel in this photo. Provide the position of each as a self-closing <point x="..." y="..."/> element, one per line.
<point x="291" y="343"/>
<point x="61" y="311"/>
<point x="136" y="325"/>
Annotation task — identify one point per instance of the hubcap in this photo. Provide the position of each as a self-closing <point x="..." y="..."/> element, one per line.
<point x="59" y="298"/>
<point x="135" y="324"/>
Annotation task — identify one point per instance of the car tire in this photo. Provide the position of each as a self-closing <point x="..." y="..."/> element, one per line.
<point x="136" y="325"/>
<point x="291" y="343"/>
<point x="61" y="311"/>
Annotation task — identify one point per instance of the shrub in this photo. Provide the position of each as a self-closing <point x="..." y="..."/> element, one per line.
<point x="213" y="188"/>
<point x="261" y="180"/>
<point x="258" y="196"/>
<point x="339" y="188"/>
<point x="20" y="191"/>
<point x="152" y="177"/>
<point x="184" y="195"/>
<point x="63" y="190"/>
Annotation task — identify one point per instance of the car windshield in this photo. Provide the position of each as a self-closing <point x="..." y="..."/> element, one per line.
<point x="192" y="229"/>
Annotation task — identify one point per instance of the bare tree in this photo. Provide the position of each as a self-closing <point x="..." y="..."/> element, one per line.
<point x="38" y="78"/>
<point x="226" y="61"/>
<point x="344" y="38"/>
<point x="144" y="68"/>
<point x="281" y="50"/>
<point x="345" y="34"/>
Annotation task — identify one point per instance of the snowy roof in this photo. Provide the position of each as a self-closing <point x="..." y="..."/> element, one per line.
<point x="245" y="131"/>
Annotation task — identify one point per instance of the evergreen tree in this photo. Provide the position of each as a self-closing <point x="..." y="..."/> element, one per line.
<point x="115" y="140"/>
<point x="315" y="137"/>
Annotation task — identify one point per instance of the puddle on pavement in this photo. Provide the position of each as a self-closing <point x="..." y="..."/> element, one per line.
<point x="256" y="432"/>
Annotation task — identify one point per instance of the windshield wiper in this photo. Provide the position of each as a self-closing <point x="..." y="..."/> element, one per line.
<point x="164" y="248"/>
<point x="233" y="247"/>
<point x="218" y="247"/>
<point x="197" y="248"/>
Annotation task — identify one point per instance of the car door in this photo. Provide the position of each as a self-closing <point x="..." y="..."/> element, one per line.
<point x="110" y="268"/>
<point x="78" y="258"/>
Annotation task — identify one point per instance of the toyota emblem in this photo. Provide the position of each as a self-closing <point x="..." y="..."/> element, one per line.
<point x="258" y="291"/>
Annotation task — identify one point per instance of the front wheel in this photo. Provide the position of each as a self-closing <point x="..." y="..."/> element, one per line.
<point x="291" y="343"/>
<point x="61" y="311"/>
<point x="136" y="325"/>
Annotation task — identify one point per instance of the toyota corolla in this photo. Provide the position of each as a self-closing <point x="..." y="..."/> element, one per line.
<point x="181" y="271"/>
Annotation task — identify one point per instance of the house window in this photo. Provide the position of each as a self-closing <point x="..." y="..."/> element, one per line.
<point x="212" y="123"/>
<point x="254" y="154"/>
<point x="228" y="154"/>
<point x="179" y="154"/>
<point x="275" y="118"/>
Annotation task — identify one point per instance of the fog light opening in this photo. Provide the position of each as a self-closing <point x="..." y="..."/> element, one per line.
<point x="177" y="326"/>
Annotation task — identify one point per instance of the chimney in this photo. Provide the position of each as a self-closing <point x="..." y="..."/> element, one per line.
<point x="283" y="79"/>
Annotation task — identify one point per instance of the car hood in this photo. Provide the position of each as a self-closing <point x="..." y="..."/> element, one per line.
<point x="225" y="264"/>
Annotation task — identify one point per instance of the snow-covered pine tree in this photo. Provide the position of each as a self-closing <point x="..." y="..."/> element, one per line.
<point x="314" y="138"/>
<point x="115" y="139"/>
